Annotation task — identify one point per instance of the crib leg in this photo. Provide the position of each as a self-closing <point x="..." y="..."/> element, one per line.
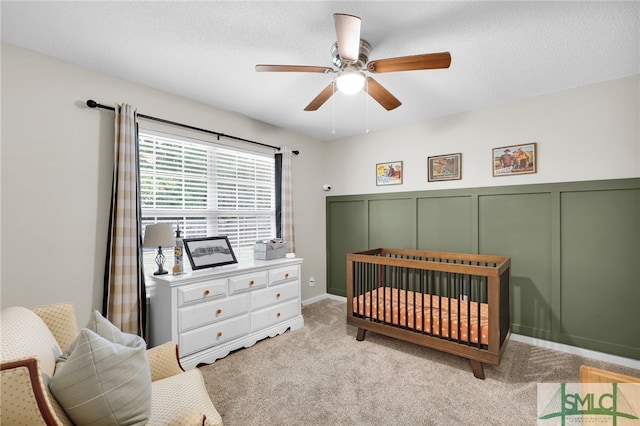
<point x="476" y="367"/>
<point x="360" y="335"/>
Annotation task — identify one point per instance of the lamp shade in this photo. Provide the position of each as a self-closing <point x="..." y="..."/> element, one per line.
<point x="158" y="235"/>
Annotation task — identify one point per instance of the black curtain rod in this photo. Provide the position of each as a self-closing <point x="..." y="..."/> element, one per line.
<point x="94" y="104"/>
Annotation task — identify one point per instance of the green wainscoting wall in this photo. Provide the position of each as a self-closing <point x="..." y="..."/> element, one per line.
<point x="574" y="248"/>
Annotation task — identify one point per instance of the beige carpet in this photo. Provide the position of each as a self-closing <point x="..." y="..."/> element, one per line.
<point x="320" y="375"/>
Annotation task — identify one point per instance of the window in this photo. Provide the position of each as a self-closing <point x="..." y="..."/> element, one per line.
<point x="209" y="190"/>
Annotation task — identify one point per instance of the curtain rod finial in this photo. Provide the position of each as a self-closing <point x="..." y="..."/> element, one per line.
<point x="91" y="103"/>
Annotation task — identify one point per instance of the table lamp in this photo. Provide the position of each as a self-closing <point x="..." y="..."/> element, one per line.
<point x="159" y="235"/>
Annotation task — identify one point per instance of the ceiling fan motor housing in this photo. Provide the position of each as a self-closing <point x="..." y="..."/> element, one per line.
<point x="363" y="56"/>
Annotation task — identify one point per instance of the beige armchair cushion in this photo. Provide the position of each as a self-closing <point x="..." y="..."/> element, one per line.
<point x="27" y="328"/>
<point x="163" y="361"/>
<point x="61" y="320"/>
<point x="183" y="399"/>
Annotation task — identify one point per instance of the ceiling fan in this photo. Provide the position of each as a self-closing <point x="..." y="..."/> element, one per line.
<point x="350" y="55"/>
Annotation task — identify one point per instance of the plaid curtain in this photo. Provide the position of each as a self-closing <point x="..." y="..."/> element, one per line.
<point x="287" y="199"/>
<point x="124" y="301"/>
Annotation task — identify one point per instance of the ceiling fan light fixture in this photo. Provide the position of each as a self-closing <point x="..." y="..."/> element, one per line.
<point x="350" y="82"/>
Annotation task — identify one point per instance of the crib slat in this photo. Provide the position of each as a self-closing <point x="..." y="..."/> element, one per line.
<point x="422" y="284"/>
<point x="457" y="294"/>
<point x="449" y="294"/>
<point x="468" y="302"/>
<point x="405" y="286"/>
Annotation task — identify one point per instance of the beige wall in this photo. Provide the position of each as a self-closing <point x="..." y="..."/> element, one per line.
<point x="56" y="177"/>
<point x="586" y="133"/>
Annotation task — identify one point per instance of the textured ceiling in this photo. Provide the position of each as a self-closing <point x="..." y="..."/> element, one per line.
<point x="206" y="51"/>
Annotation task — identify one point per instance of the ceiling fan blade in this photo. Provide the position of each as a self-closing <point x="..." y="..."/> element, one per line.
<point x="382" y="95"/>
<point x="293" y="68"/>
<point x="428" y="61"/>
<point x="321" y="98"/>
<point x="348" y="34"/>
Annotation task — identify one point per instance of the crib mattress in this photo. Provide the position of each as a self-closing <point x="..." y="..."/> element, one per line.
<point x="435" y="315"/>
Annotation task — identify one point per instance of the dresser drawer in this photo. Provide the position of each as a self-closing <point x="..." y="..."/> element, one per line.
<point x="275" y="314"/>
<point x="280" y="275"/>
<point x="269" y="296"/>
<point x="213" y="311"/>
<point x="213" y="334"/>
<point x="203" y="291"/>
<point x="246" y="282"/>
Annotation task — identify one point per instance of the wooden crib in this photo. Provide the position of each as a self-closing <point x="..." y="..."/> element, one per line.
<point x="453" y="302"/>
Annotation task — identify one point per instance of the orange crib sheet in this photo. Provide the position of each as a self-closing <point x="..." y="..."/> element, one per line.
<point x="442" y="313"/>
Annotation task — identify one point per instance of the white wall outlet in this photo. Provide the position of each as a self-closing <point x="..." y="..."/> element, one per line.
<point x="312" y="281"/>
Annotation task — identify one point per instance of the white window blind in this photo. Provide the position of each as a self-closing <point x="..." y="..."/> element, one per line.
<point x="209" y="190"/>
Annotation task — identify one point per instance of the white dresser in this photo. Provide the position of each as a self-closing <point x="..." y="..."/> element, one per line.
<point x="211" y="312"/>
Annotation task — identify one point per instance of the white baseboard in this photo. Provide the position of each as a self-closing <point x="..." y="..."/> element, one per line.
<point x="322" y="297"/>
<point x="573" y="350"/>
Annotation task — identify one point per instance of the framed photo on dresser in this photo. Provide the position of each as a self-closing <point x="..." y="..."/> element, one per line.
<point x="209" y="252"/>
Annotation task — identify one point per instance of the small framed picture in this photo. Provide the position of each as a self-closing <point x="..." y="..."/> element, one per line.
<point x="515" y="160"/>
<point x="209" y="252"/>
<point x="389" y="173"/>
<point x="444" y="167"/>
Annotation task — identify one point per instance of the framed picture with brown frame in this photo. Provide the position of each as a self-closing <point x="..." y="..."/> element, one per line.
<point x="515" y="159"/>
<point x="444" y="167"/>
<point x="389" y="173"/>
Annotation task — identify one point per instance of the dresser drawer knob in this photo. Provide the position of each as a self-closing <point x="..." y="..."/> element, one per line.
<point x="278" y="314"/>
<point x="278" y="296"/>
<point x="219" y="311"/>
<point x="251" y="282"/>
<point x="206" y="292"/>
<point x="286" y="275"/>
<point x="219" y="334"/>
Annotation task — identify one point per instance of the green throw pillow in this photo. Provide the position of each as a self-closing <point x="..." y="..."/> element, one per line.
<point x="106" y="329"/>
<point x="103" y="378"/>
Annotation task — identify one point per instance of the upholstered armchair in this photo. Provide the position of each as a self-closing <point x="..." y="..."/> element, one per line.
<point x="33" y="339"/>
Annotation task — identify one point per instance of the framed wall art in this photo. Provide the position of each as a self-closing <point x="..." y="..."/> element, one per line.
<point x="209" y="252"/>
<point x="389" y="173"/>
<point x="515" y="159"/>
<point x="444" y="167"/>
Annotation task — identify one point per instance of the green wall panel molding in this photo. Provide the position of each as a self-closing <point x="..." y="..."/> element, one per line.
<point x="390" y="223"/>
<point x="600" y="266"/>
<point x="346" y="233"/>
<point x="446" y="224"/>
<point x="518" y="225"/>
<point x="574" y="248"/>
